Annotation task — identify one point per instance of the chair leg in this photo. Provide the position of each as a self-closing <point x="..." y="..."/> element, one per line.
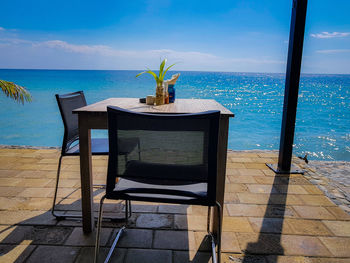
<point x="218" y="238"/>
<point x="97" y="243"/>
<point x="120" y="232"/>
<point x="208" y="219"/>
<point x="58" y="217"/>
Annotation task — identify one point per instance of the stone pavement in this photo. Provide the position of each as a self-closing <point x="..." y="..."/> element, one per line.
<point x="268" y="218"/>
<point x="333" y="178"/>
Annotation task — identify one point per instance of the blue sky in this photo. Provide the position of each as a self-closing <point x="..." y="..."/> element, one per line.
<point x="232" y="35"/>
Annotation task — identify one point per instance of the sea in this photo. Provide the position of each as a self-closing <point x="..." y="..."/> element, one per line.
<point x="323" y="115"/>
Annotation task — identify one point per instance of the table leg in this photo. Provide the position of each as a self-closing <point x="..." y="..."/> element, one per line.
<point x="86" y="174"/>
<point x="220" y="183"/>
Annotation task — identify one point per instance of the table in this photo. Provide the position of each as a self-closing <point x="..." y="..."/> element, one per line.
<point x="94" y="116"/>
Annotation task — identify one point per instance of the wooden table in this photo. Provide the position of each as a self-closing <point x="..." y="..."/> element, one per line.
<point x="94" y="116"/>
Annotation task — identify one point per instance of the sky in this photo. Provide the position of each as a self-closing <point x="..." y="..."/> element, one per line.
<point x="205" y="35"/>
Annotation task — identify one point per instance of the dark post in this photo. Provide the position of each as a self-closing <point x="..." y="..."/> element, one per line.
<point x="295" y="50"/>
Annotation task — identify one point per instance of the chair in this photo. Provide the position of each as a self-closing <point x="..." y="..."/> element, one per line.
<point x="179" y="163"/>
<point x="70" y="145"/>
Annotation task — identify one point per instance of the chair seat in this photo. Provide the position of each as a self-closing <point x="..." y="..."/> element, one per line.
<point x="176" y="172"/>
<point x="199" y="190"/>
<point x="100" y="146"/>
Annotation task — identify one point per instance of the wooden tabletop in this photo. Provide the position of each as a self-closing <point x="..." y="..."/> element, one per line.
<point x="180" y="106"/>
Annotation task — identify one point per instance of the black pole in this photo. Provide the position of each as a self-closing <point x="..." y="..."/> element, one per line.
<point x="295" y="51"/>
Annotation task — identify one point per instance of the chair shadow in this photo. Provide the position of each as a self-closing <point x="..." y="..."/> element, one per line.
<point x="23" y="237"/>
<point x="269" y="240"/>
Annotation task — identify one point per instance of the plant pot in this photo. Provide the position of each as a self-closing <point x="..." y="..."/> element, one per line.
<point x="159" y="95"/>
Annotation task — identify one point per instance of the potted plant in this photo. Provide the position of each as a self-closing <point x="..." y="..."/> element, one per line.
<point x="159" y="81"/>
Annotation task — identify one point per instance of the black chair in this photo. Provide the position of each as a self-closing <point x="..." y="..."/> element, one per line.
<point x="179" y="163"/>
<point x="70" y="145"/>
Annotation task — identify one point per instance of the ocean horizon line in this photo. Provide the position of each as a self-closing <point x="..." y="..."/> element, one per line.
<point x="202" y="71"/>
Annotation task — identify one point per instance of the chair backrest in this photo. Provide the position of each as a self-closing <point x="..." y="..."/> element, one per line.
<point x="174" y="148"/>
<point x="67" y="103"/>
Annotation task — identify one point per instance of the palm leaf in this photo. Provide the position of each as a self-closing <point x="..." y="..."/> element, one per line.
<point x="14" y="91"/>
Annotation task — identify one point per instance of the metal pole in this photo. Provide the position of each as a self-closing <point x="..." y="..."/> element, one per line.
<point x="295" y="50"/>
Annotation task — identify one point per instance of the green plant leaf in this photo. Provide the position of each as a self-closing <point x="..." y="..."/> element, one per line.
<point x="151" y="73"/>
<point x="167" y="70"/>
<point x="14" y="91"/>
<point x="161" y="67"/>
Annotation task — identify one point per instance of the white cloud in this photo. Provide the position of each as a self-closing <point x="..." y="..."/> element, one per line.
<point x="106" y="57"/>
<point x="331" y="35"/>
<point x="333" y="51"/>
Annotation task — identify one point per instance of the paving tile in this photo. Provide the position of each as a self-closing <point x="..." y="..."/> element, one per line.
<point x="53" y="254"/>
<point x="308" y="227"/>
<point x="238" y="258"/>
<point x="190" y="222"/>
<point x="316" y="200"/>
<point x="235" y="188"/>
<point x="291" y="189"/>
<point x="303" y="246"/>
<point x="178" y="240"/>
<point x="231" y="198"/>
<point x="270" y="225"/>
<point x="236" y="224"/>
<point x="40" y="218"/>
<point x="234" y="165"/>
<point x="280" y="211"/>
<point x="338" y="246"/>
<point x="148" y="256"/>
<point x="240" y="160"/>
<point x="144" y="208"/>
<point x="174" y="209"/>
<point x="328" y="260"/>
<point x="10" y="191"/>
<point x="36" y="192"/>
<point x="298" y="180"/>
<point x="338" y="213"/>
<point x="312" y="189"/>
<point x="244" y="210"/>
<point x="282" y="199"/>
<point x="16" y="217"/>
<point x="339" y="228"/>
<point x="262" y="189"/>
<point x="242" y="179"/>
<point x="15" y="253"/>
<point x="264" y="179"/>
<point x="313" y="212"/>
<point x="251" y="172"/>
<point x="229" y="242"/>
<point x="87" y="254"/>
<point x="38" y="235"/>
<point x="287" y="259"/>
<point x="231" y="172"/>
<point x="78" y="238"/>
<point x="254" y="243"/>
<point x="269" y="172"/>
<point x="154" y="221"/>
<point x="255" y="166"/>
<point x="134" y="238"/>
<point x="42" y="204"/>
<point x="188" y="257"/>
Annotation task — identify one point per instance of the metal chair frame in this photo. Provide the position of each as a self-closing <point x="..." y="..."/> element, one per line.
<point x="209" y="200"/>
<point x="70" y="138"/>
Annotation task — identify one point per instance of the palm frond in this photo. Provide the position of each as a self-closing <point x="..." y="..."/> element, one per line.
<point x="14" y="91"/>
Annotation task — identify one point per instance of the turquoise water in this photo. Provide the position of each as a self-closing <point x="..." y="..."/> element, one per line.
<point x="323" y="119"/>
